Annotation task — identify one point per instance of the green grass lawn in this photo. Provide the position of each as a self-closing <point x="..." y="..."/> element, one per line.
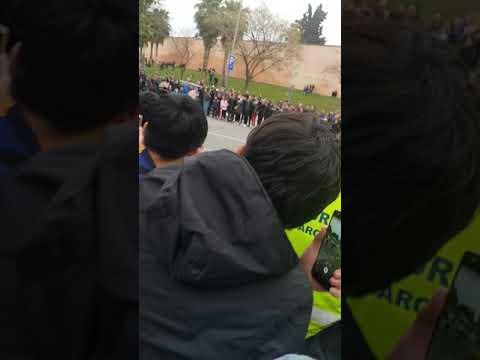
<point x="272" y="92"/>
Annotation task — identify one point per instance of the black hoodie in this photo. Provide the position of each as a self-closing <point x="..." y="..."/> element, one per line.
<point x="69" y="253"/>
<point x="219" y="278"/>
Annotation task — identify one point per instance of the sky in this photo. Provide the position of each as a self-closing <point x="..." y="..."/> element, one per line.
<point x="181" y="14"/>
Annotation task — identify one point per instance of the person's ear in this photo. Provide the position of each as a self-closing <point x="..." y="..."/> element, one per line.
<point x="242" y="150"/>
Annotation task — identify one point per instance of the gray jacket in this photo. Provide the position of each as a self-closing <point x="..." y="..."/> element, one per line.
<point x="219" y="278"/>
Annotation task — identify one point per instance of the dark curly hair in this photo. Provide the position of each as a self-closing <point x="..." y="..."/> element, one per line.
<point x="298" y="162"/>
<point x="411" y="150"/>
<point x="78" y="65"/>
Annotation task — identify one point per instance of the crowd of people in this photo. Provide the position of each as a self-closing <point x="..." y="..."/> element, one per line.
<point x="309" y="89"/>
<point x="190" y="259"/>
<point x="228" y="212"/>
<point x="173" y="128"/>
<point x="231" y="105"/>
<point x="411" y="160"/>
<point x="68" y="190"/>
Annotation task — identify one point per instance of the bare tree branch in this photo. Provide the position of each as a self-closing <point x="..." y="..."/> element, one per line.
<point x="268" y="43"/>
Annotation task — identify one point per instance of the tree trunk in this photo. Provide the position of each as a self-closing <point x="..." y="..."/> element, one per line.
<point x="151" y="52"/>
<point x="182" y="70"/>
<point x="247" y="82"/>
<point x="247" y="74"/>
<point x="206" y="58"/>
<point x="156" y="52"/>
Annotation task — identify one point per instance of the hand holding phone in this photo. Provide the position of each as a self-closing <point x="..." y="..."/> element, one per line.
<point x="329" y="257"/>
<point x="414" y="344"/>
<point x="457" y="332"/>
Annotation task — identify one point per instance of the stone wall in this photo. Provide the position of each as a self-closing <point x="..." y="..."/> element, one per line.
<point x="318" y="65"/>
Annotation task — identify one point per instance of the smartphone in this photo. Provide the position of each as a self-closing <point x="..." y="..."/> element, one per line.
<point x="457" y="332"/>
<point x="329" y="257"/>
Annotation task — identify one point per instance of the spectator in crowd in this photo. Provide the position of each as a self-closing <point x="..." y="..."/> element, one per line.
<point x="260" y="110"/>
<point x="71" y="259"/>
<point x="268" y="110"/>
<point x="211" y="75"/>
<point x="253" y="118"/>
<point x="215" y="107"/>
<point x="388" y="154"/>
<point x="206" y="101"/>
<point x="238" y="109"/>
<point x="174" y="127"/>
<point x="232" y="103"/>
<point x="242" y="104"/>
<point x="224" y="280"/>
<point x="244" y="109"/>
<point x="247" y="110"/>
<point x="186" y="89"/>
<point x="224" y="107"/>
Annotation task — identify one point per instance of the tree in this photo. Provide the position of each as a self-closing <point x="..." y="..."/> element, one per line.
<point x="183" y="51"/>
<point x="268" y="43"/>
<point x="229" y="13"/>
<point x="207" y="16"/>
<point x="160" y="29"/>
<point x="154" y="24"/>
<point x="311" y="26"/>
<point x="144" y="23"/>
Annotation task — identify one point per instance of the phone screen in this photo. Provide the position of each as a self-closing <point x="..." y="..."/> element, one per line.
<point x="329" y="257"/>
<point x="457" y="334"/>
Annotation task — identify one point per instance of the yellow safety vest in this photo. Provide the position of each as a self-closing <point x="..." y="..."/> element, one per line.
<point x="326" y="308"/>
<point x="385" y="316"/>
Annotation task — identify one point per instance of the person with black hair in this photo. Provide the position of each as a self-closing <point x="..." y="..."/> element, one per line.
<point x="268" y="110"/>
<point x="215" y="106"/>
<point x="247" y="110"/>
<point x="261" y="108"/>
<point x="68" y="215"/>
<point x="241" y="109"/>
<point x="411" y="164"/>
<point x="174" y="127"/>
<point x="232" y="103"/>
<point x="219" y="276"/>
<point x="206" y="101"/>
<point x="290" y="146"/>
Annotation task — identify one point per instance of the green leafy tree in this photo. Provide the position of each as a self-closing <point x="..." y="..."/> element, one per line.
<point x="160" y="29"/>
<point x="144" y="23"/>
<point x="311" y="26"/>
<point x="207" y="18"/>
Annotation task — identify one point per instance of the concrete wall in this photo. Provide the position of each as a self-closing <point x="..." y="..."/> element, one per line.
<point x="318" y="65"/>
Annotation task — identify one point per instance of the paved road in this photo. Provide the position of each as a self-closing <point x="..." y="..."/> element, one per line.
<point x="224" y="135"/>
